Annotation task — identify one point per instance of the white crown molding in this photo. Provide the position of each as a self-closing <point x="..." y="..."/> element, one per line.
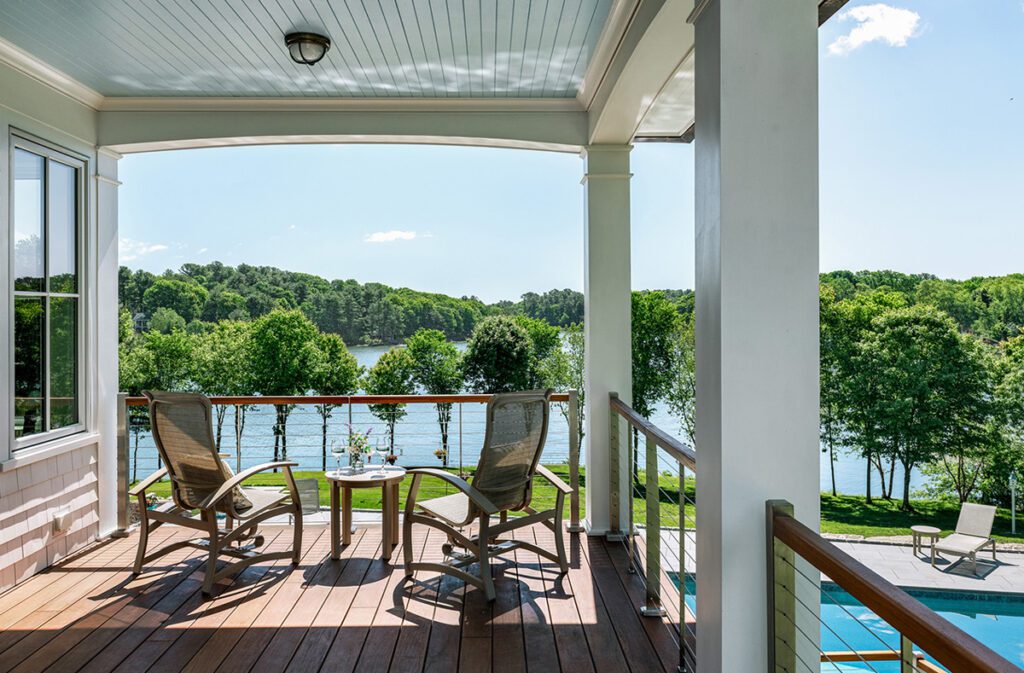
<point x="210" y="104"/>
<point x="26" y="63"/>
<point x="619" y="18"/>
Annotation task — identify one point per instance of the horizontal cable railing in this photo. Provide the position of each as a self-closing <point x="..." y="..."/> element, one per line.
<point x="422" y="430"/>
<point x="829" y="612"/>
<point x="660" y="521"/>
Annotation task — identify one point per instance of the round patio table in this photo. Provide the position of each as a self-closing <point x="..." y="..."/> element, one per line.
<point x="342" y="484"/>
<point x="930" y="532"/>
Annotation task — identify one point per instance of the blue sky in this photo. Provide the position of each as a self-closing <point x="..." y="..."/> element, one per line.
<point x="921" y="170"/>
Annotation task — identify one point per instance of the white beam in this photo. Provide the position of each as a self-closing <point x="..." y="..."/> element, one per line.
<point x="106" y="368"/>
<point x="757" y="305"/>
<point x="606" y="289"/>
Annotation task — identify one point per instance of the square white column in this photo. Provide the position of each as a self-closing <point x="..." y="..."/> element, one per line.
<point x="105" y="268"/>
<point x="756" y="306"/>
<point x="607" y="307"/>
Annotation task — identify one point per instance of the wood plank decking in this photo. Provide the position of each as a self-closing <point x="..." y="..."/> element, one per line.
<point x="89" y="614"/>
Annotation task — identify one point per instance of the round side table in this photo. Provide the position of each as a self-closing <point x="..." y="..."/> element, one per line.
<point x="919" y="532"/>
<point x="342" y="484"/>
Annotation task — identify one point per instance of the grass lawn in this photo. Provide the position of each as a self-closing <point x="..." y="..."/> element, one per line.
<point x="844" y="514"/>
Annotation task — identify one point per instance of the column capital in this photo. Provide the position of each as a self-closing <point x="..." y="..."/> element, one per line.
<point x="606" y="162"/>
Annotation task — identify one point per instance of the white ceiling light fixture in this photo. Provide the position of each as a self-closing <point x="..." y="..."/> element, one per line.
<point x="307" y="48"/>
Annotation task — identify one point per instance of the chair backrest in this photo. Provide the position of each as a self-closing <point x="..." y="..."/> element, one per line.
<point x="976" y="519"/>
<point x="517" y="426"/>
<point x="309" y="494"/>
<point x="182" y="426"/>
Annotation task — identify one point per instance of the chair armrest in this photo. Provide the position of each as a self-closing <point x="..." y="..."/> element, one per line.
<point x="236" y="480"/>
<point x="554" y="479"/>
<point x="143" y="485"/>
<point x="478" y="498"/>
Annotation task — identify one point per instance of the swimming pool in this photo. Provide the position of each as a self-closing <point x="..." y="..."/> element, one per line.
<point x="993" y="619"/>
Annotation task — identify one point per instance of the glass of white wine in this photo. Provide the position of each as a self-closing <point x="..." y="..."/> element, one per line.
<point x="337" y="449"/>
<point x="382" y="452"/>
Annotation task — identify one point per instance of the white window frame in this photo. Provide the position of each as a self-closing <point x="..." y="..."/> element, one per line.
<point x="50" y="152"/>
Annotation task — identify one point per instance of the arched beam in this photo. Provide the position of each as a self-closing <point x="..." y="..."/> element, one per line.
<point x="148" y="126"/>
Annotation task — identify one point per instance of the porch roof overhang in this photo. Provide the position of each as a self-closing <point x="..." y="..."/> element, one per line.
<point x="193" y="85"/>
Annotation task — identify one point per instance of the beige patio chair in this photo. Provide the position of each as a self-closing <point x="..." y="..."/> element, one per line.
<point x="202" y="482"/>
<point x="973" y="534"/>
<point x="517" y="425"/>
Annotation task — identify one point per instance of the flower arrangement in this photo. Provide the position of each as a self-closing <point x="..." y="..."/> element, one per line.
<point x="440" y="453"/>
<point x="359" y="442"/>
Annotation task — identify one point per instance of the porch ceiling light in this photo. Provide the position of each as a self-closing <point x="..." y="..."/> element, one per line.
<point x="307" y="48"/>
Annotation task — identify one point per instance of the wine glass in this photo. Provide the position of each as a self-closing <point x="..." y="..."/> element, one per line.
<point x="337" y="449"/>
<point x="382" y="453"/>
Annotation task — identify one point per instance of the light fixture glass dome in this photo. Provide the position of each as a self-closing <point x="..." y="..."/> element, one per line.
<point x="307" y="48"/>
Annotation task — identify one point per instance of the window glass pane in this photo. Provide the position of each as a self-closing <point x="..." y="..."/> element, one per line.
<point x="28" y="365"/>
<point x="28" y="221"/>
<point x="61" y="195"/>
<point x="63" y="362"/>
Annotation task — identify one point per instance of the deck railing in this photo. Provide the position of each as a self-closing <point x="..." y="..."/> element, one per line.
<point x="256" y="429"/>
<point x="659" y="511"/>
<point x="799" y="560"/>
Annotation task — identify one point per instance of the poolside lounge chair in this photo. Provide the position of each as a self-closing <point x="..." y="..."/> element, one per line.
<point x="973" y="533"/>
<point x="517" y="425"/>
<point x="201" y="481"/>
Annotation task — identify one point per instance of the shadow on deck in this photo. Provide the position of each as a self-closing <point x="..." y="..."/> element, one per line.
<point x="358" y="614"/>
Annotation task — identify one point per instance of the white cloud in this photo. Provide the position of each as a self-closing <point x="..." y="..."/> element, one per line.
<point x="128" y="249"/>
<point x="202" y="250"/>
<point x="389" y="236"/>
<point x="876" y="23"/>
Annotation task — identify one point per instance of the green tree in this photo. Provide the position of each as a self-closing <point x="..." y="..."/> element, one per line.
<point x="655" y="329"/>
<point x="224" y="366"/>
<point x="437" y="370"/>
<point x="336" y="373"/>
<point x="284" y="357"/>
<point x="166" y="320"/>
<point x="499" y="356"/>
<point x="1007" y="456"/>
<point x="544" y="341"/>
<point x="922" y="388"/>
<point x="682" y="393"/>
<point x="563" y="370"/>
<point x="391" y="375"/>
<point x="185" y="298"/>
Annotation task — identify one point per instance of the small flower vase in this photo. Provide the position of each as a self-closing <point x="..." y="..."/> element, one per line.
<point x="355" y="461"/>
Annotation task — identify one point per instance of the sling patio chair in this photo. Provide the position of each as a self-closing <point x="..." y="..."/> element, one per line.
<point x="202" y="482"/>
<point x="973" y="534"/>
<point x="517" y="425"/>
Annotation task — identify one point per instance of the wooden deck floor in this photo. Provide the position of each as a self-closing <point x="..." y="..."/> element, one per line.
<point x="89" y="614"/>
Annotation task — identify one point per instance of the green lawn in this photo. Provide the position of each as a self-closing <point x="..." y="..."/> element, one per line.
<point x="845" y="514"/>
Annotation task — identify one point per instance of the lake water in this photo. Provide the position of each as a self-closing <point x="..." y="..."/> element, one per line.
<point x="417" y="437"/>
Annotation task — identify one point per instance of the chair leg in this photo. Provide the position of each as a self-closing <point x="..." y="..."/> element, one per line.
<point x="140" y="555"/>
<point x="563" y="564"/>
<point x="974" y="563"/>
<point x="484" y="558"/>
<point x="297" y="537"/>
<point x="211" y="561"/>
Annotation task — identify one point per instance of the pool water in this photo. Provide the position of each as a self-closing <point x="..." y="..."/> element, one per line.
<point x="994" y="620"/>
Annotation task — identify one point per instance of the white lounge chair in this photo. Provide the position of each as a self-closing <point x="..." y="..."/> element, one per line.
<point x="973" y="534"/>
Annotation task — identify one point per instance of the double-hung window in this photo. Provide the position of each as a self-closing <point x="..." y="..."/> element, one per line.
<point x="47" y="210"/>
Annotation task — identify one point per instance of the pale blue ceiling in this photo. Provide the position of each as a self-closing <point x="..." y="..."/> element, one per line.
<point x="407" y="48"/>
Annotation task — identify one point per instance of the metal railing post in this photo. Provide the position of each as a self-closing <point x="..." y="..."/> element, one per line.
<point x="907" y="658"/>
<point x="122" y="466"/>
<point x="682" y="568"/>
<point x="614" y="530"/>
<point x="462" y="472"/>
<point x="652" y="605"/>
<point x="781" y="594"/>
<point x="574" y="463"/>
<point x="238" y="438"/>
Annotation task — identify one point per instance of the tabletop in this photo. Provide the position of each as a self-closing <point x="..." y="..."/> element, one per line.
<point x="370" y="475"/>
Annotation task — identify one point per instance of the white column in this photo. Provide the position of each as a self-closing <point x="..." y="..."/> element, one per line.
<point x="606" y="290"/>
<point x="757" y="306"/>
<point x="105" y="351"/>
